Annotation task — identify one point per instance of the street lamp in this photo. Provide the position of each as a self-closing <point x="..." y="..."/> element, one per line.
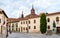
<point x="6" y="30"/>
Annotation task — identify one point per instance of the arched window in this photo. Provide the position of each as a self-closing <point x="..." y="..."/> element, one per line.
<point x="21" y="22"/>
<point x="34" y="21"/>
<point x="29" y="27"/>
<point x="29" y="22"/>
<point x="48" y="19"/>
<point x="0" y="20"/>
<point x="48" y="27"/>
<point x="23" y="28"/>
<point x="34" y="27"/>
<point x="26" y="22"/>
<point x="57" y="19"/>
<point x="16" y="24"/>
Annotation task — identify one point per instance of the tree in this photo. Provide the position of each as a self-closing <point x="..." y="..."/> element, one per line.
<point x="54" y="25"/>
<point x="43" y="23"/>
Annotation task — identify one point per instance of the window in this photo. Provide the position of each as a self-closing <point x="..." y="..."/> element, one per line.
<point x="57" y="19"/>
<point x="29" y="22"/>
<point x="26" y="22"/>
<point x="34" y="21"/>
<point x="48" y="27"/>
<point x="3" y="22"/>
<point x="21" y="22"/>
<point x="21" y="29"/>
<point x="12" y="26"/>
<point x="34" y="27"/>
<point x="0" y="12"/>
<point x="16" y="25"/>
<point x="48" y="19"/>
<point x="29" y="27"/>
<point x="16" y="29"/>
<point x="24" y="28"/>
<point x="0" y="20"/>
<point x="9" y="26"/>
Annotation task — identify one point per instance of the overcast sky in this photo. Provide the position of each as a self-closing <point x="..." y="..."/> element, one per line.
<point x="13" y="8"/>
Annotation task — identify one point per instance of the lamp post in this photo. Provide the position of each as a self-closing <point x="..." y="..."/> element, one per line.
<point x="6" y="30"/>
<point x="1" y="29"/>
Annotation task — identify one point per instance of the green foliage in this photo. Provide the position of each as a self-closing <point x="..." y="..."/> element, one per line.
<point x="54" y="25"/>
<point x="43" y="23"/>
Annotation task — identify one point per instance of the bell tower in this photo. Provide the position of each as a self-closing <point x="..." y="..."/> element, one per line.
<point x="22" y="16"/>
<point x="32" y="10"/>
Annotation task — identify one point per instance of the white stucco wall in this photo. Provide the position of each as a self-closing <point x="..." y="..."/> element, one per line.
<point x="53" y="18"/>
<point x="3" y="18"/>
<point x="37" y="24"/>
<point x="32" y="24"/>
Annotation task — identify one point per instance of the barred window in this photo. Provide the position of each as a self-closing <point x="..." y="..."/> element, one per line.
<point x="29" y="22"/>
<point x="16" y="24"/>
<point x="21" y="22"/>
<point x="29" y="27"/>
<point x="26" y="22"/>
<point x="48" y="27"/>
<point x="48" y="19"/>
<point x="34" y="27"/>
<point x="0" y="20"/>
<point x="57" y="19"/>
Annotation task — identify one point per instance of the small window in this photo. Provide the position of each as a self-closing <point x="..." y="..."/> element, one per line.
<point x="29" y="27"/>
<point x="16" y="29"/>
<point x="21" y="22"/>
<point x="29" y="22"/>
<point x="34" y="21"/>
<point x="57" y="19"/>
<point x="34" y="27"/>
<point x="48" y="19"/>
<point x="0" y="20"/>
<point x="24" y="28"/>
<point x="26" y="22"/>
<point x="0" y="12"/>
<point x="48" y="27"/>
<point x="9" y="26"/>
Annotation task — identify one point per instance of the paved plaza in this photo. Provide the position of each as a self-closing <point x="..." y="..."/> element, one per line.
<point x="30" y="35"/>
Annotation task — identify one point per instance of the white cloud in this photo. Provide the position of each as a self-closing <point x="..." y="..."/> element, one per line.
<point x="13" y="7"/>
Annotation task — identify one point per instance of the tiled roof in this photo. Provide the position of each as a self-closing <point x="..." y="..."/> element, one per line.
<point x="2" y="11"/>
<point x="13" y="19"/>
<point x="53" y="13"/>
<point x="31" y="16"/>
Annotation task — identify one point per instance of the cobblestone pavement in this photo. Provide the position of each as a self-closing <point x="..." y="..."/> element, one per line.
<point x="30" y="35"/>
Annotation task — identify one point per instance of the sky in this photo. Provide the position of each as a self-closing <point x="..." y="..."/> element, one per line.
<point x="14" y="8"/>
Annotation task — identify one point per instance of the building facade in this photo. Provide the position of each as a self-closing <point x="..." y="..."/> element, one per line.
<point x="31" y="22"/>
<point x="13" y="24"/>
<point x="3" y="21"/>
